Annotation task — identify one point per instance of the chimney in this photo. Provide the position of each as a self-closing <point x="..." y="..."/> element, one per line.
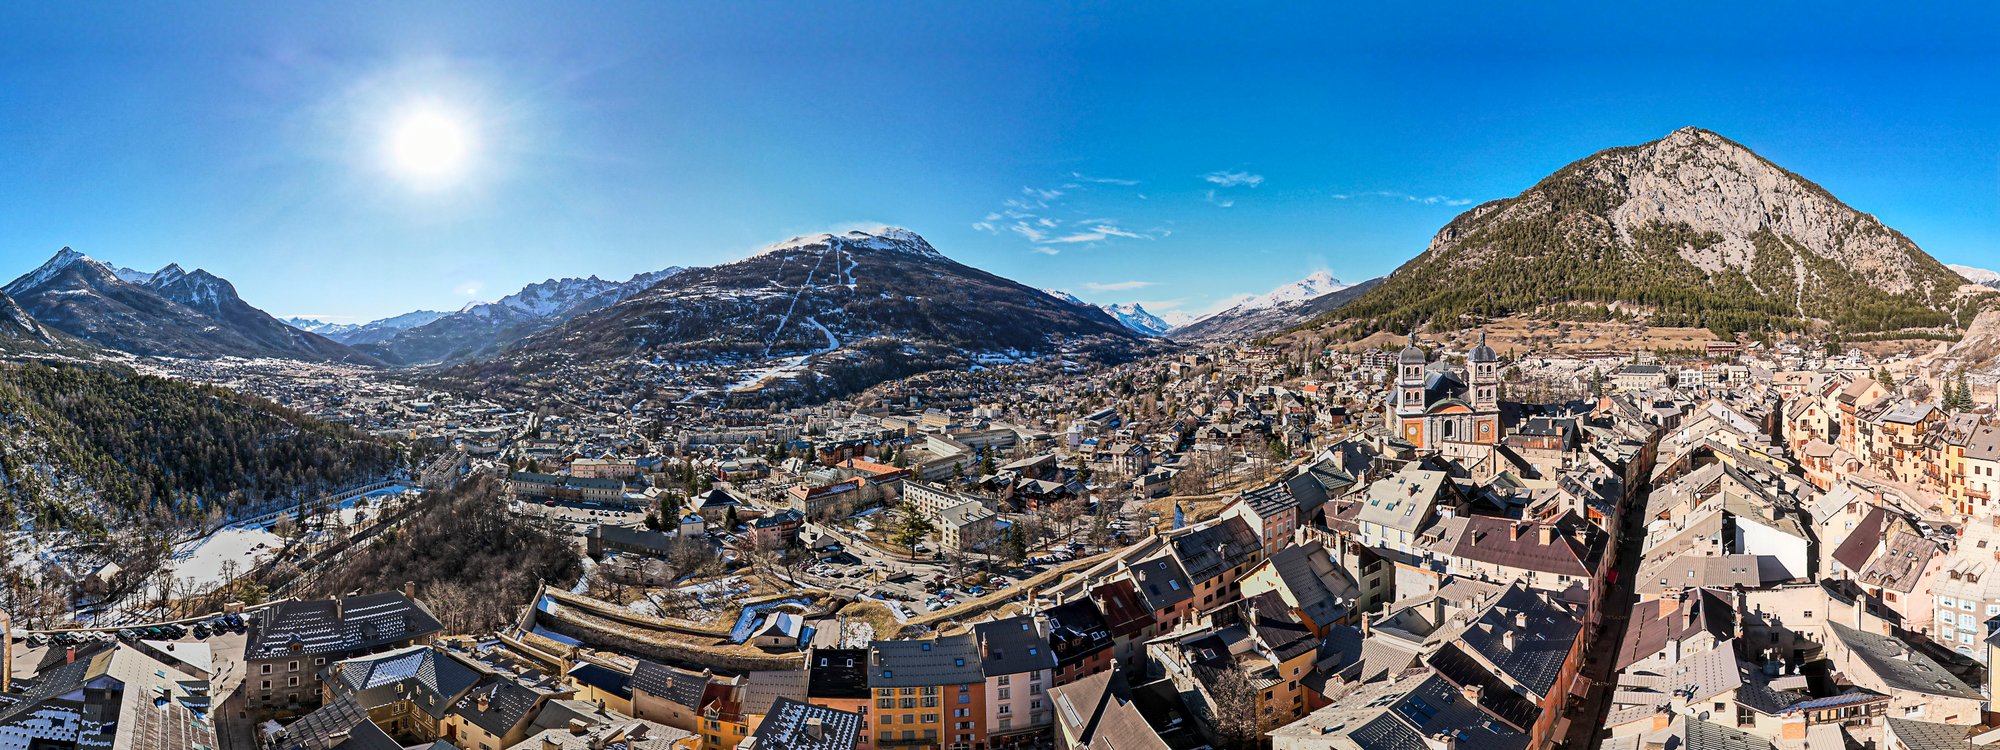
<point x="485" y="702"/>
<point x="1521" y="620"/>
<point x="69" y="655"/>
<point x="577" y="727"/>
<point x="1548" y="532"/>
<point x="1507" y="640"/>
<point x="1514" y="532"/>
<point x="1473" y="693"/>
<point x="410" y="589"/>
<point x="1441" y="741"/>
<point x="814" y="730"/>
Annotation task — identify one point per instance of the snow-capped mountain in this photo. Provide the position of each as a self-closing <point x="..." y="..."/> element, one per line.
<point x="886" y="239"/>
<point x="169" y="312"/>
<point x="1318" y="284"/>
<point x="1978" y="276"/>
<point x="1135" y="317"/>
<point x="1066" y="297"/>
<point x="1129" y="314"/>
<point x="1275" y="310"/>
<point x="483" y="328"/>
<point x="320" y="327"/>
<point x="356" y="334"/>
<point x="827" y="314"/>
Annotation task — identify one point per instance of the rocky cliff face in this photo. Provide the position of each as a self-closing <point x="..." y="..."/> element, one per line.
<point x="1691" y="229"/>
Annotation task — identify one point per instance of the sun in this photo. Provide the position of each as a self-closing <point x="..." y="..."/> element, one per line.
<point x="429" y="146"/>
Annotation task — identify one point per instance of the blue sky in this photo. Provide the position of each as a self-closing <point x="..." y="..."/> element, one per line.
<point x="1170" y="154"/>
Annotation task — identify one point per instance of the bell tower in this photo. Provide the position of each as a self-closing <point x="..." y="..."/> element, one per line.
<point x="1484" y="391"/>
<point x="1410" y="379"/>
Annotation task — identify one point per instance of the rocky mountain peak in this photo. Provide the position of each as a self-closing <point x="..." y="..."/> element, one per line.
<point x="64" y="261"/>
<point x="889" y="239"/>
<point x="166" y="275"/>
<point x="1694" y="227"/>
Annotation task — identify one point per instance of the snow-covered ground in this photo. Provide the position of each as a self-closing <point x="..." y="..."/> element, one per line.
<point x="198" y="565"/>
<point x="787" y="367"/>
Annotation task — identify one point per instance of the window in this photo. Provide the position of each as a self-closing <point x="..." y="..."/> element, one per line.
<point x="265" y="668"/>
<point x="292" y="681"/>
<point x="294" y="666"/>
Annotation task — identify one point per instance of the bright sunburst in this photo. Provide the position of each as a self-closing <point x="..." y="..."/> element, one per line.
<point x="429" y="146"/>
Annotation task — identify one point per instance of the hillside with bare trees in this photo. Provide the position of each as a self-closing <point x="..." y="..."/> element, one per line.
<point x="473" y="562"/>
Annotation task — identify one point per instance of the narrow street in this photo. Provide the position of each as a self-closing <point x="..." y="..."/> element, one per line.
<point x="1600" y="663"/>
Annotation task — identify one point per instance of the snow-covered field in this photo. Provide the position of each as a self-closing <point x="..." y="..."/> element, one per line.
<point x="198" y="565"/>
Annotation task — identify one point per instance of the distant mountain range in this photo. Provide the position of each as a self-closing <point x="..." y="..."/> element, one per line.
<point x="1980" y="276"/>
<point x="365" y="333"/>
<point x="827" y="314"/>
<point x="1129" y="314"/>
<point x="482" y="329"/>
<point x="169" y="313"/>
<point x="1692" y="229"/>
<point x="1277" y="310"/>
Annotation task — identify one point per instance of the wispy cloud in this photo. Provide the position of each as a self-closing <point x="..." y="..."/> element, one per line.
<point x="1039" y="216"/>
<point x="1218" y="200"/>
<point x="1227" y="178"/>
<point x="1428" y="200"/>
<point x="470" y="288"/>
<point x="1081" y="177"/>
<point x="1116" y="286"/>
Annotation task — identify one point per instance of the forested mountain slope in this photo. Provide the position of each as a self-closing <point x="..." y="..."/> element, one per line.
<point x="87" y="449"/>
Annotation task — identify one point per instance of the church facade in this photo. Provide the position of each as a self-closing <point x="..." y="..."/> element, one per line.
<point x="1432" y="406"/>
